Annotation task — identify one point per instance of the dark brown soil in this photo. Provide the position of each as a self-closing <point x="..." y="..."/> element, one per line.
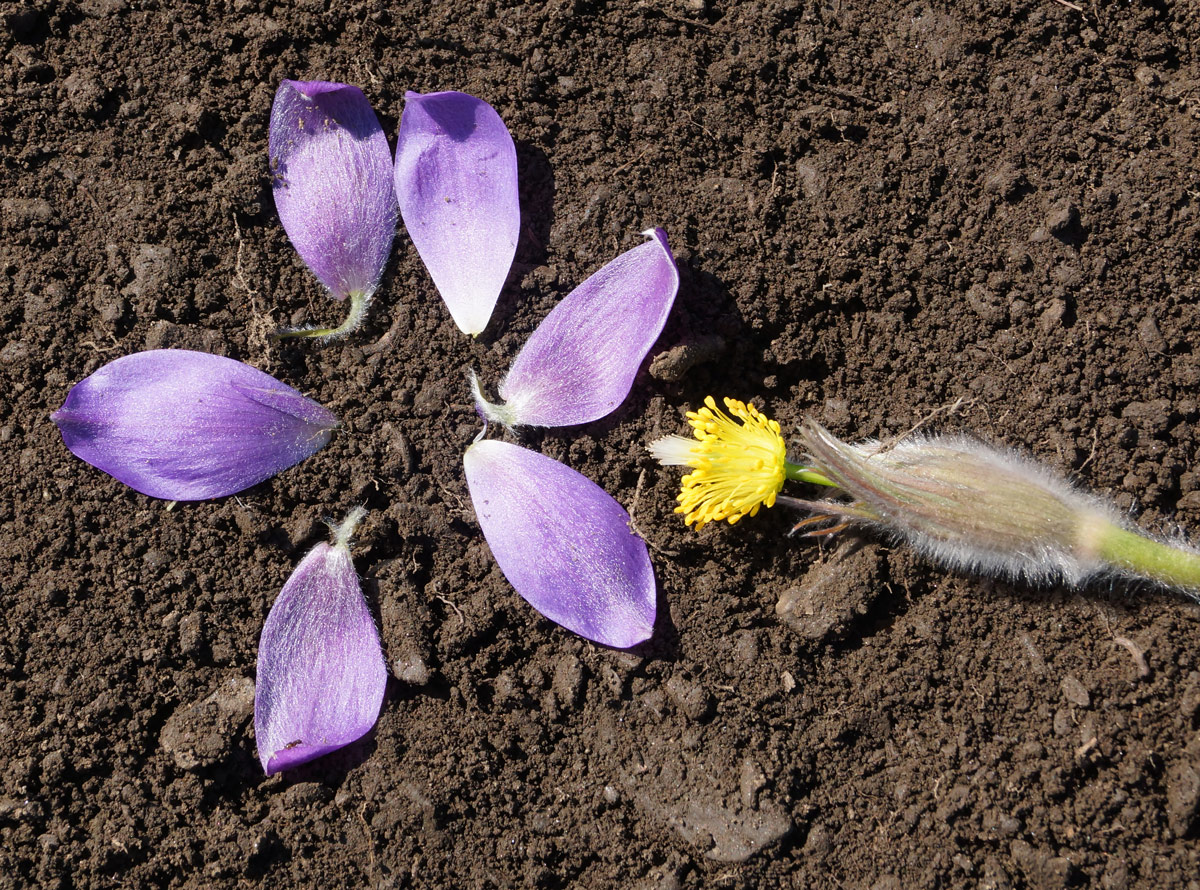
<point x="982" y="215"/>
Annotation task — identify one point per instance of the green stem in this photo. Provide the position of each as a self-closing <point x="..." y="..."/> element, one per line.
<point x="358" y="308"/>
<point x="797" y="473"/>
<point x="1146" y="557"/>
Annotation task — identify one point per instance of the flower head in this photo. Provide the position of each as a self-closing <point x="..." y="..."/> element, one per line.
<point x="736" y="468"/>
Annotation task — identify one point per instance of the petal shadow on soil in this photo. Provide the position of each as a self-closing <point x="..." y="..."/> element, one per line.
<point x="663" y="644"/>
<point x="535" y="180"/>
<point x="330" y="770"/>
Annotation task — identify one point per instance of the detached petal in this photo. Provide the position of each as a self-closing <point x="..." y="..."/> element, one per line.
<point x="580" y="363"/>
<point x="187" y="426"/>
<point x="456" y="180"/>
<point x="321" y="672"/>
<point x="563" y="543"/>
<point x="331" y="177"/>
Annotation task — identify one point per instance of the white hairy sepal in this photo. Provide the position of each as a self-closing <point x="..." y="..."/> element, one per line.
<point x="967" y="505"/>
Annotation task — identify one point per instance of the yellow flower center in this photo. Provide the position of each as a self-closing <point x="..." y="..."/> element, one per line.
<point x="735" y="468"/>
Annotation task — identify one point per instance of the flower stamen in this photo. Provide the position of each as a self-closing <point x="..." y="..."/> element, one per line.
<point x="736" y="468"/>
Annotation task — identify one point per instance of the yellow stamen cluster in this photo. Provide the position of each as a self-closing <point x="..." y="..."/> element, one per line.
<point x="735" y="468"/>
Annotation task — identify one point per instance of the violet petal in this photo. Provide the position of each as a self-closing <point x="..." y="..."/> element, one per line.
<point x="331" y="177"/>
<point x="456" y="180"/>
<point x="187" y="426"/>
<point x="563" y="543"/>
<point x="321" y="671"/>
<point x="580" y="362"/>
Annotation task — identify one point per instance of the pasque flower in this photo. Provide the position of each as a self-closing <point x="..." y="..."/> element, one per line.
<point x="456" y="180"/>
<point x="321" y="672"/>
<point x="580" y="362"/>
<point x="188" y="426"/>
<point x="331" y="175"/>
<point x="957" y="501"/>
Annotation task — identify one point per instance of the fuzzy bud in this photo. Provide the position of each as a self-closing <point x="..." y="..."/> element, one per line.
<point x="968" y="506"/>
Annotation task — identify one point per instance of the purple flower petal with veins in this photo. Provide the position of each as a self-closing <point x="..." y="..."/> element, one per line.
<point x="187" y="426"/>
<point x="332" y="180"/>
<point x="563" y="543"/>
<point x="580" y="363"/>
<point x="456" y="180"/>
<point x="321" y="672"/>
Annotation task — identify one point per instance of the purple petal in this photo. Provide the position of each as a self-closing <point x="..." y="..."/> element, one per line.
<point x="580" y="363"/>
<point x="187" y="426"/>
<point x="563" y="543"/>
<point x="456" y="178"/>
<point x="321" y="672"/>
<point x="331" y="176"/>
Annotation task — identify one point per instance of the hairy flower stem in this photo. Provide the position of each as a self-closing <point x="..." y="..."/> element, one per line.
<point x="358" y="308"/>
<point x="972" y="506"/>
<point x="1136" y="554"/>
